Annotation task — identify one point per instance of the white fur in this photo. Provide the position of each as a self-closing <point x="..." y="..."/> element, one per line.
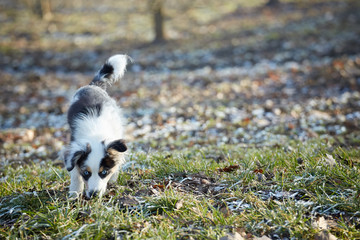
<point x="88" y="133"/>
<point x="77" y="183"/>
<point x="119" y="63"/>
<point x="111" y="122"/>
<point x="98" y="132"/>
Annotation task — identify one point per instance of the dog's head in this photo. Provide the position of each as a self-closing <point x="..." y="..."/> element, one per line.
<point x="96" y="163"/>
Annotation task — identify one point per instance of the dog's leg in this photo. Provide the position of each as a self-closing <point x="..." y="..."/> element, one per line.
<point x="77" y="183"/>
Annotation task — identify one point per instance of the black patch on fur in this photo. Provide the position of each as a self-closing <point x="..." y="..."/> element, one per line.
<point x="106" y="70"/>
<point x="107" y="163"/>
<point x="75" y="158"/>
<point x="118" y="145"/>
<point x="79" y="109"/>
<point x="103" y="175"/>
<point x="79" y="157"/>
<point x="103" y="76"/>
<point x="86" y="177"/>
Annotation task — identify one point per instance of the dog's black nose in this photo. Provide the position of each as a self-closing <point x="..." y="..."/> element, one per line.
<point x="93" y="194"/>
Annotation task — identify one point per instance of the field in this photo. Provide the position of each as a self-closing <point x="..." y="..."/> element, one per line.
<point x="244" y="124"/>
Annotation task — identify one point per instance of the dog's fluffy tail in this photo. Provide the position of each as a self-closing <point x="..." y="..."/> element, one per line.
<point x="113" y="69"/>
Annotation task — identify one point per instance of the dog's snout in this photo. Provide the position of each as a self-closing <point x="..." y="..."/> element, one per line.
<point x="93" y="194"/>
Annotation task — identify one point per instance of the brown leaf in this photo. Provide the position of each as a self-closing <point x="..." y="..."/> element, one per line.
<point x="291" y="126"/>
<point x="258" y="171"/>
<point x="230" y="168"/>
<point x="274" y="76"/>
<point x="112" y="192"/>
<point x="159" y="186"/>
<point x="205" y="181"/>
<point x="339" y="65"/>
<point x="60" y="99"/>
<point x="245" y="122"/>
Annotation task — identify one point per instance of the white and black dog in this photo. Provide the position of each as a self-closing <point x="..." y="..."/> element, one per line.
<point x="96" y="150"/>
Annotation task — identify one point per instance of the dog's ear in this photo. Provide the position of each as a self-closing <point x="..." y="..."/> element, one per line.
<point x="117" y="146"/>
<point x="79" y="156"/>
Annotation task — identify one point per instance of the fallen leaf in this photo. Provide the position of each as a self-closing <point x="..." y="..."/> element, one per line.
<point x="112" y="193"/>
<point x="320" y="223"/>
<point x="179" y="204"/>
<point x="258" y="171"/>
<point x="60" y="99"/>
<point x="245" y="122"/>
<point x="339" y="65"/>
<point x="230" y="168"/>
<point x="159" y="186"/>
<point x="291" y="126"/>
<point x="274" y="76"/>
<point x="205" y="181"/>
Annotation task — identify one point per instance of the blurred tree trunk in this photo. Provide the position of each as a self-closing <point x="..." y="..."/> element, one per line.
<point x="158" y="20"/>
<point x="272" y="3"/>
<point x="46" y="12"/>
<point x="41" y="8"/>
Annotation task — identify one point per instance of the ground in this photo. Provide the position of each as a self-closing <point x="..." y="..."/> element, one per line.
<point x="245" y="123"/>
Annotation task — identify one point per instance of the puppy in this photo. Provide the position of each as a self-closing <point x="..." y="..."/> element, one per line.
<point x="97" y="148"/>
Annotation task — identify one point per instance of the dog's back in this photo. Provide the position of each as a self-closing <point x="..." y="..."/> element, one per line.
<point x="91" y="101"/>
<point x="88" y="103"/>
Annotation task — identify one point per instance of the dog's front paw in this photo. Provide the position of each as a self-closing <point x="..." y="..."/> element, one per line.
<point x="74" y="195"/>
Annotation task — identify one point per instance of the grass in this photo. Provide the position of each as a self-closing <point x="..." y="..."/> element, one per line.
<point x="275" y="192"/>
